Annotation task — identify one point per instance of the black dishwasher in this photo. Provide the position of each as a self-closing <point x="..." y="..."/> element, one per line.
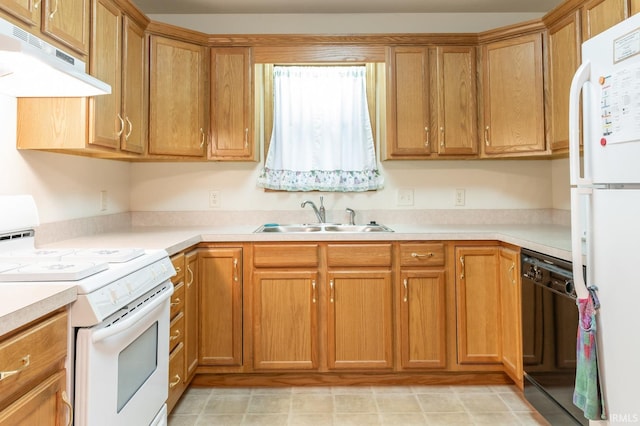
<point x="549" y="330"/>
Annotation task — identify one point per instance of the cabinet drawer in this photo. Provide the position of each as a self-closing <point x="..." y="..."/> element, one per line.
<point x="359" y="255"/>
<point x="178" y="264"/>
<point x="32" y="353"/>
<point x="176" y="331"/>
<point x="422" y="254"/>
<point x="176" y="375"/>
<point x="285" y="255"/>
<point x="177" y="299"/>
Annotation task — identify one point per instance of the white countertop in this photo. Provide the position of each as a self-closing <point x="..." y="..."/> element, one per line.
<point x="22" y="303"/>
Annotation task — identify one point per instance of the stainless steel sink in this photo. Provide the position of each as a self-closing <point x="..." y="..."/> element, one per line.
<point x="322" y="228"/>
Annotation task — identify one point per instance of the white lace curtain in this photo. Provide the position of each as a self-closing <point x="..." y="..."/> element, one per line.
<point x="322" y="138"/>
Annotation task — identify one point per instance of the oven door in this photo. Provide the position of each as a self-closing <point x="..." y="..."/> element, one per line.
<point x="122" y="370"/>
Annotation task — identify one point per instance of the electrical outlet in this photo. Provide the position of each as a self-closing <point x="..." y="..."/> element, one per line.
<point x="104" y="204"/>
<point x="214" y="199"/>
<point x="405" y="197"/>
<point x="460" y="197"/>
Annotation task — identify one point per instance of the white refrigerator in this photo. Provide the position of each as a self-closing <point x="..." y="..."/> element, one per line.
<point x="605" y="206"/>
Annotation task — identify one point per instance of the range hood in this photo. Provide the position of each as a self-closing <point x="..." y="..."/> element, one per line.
<point x="31" y="67"/>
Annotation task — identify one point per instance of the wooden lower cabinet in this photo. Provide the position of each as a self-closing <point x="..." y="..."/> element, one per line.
<point x="191" y="314"/>
<point x="285" y="320"/>
<point x="36" y="393"/>
<point x="478" y="305"/>
<point x="360" y="320"/>
<point x="511" y="314"/>
<point x="220" y="304"/>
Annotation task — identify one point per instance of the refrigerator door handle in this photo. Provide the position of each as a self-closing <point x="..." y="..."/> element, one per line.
<point x="576" y="241"/>
<point x="579" y="79"/>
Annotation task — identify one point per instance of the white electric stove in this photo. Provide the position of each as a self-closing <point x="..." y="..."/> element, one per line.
<point x="119" y="324"/>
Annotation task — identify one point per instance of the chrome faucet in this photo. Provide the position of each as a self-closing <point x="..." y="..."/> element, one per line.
<point x="352" y="216"/>
<point x="320" y="213"/>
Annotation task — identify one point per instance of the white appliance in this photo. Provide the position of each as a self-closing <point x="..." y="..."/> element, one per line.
<point x="605" y="206"/>
<point x="118" y="362"/>
<point x="31" y="67"/>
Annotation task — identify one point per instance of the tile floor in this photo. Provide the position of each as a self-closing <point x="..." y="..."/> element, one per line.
<point x="368" y="405"/>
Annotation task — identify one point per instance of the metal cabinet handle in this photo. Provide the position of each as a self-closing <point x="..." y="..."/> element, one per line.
<point x="246" y="137"/>
<point x="126" y="137"/>
<point x="462" y="266"/>
<point x="119" y="132"/>
<point x="174" y="336"/>
<point x="511" y="269"/>
<point x="235" y="270"/>
<point x="178" y="269"/>
<point x="406" y="290"/>
<point x="426" y="143"/>
<point x="25" y="363"/>
<point x="37" y="5"/>
<point x="175" y="382"/>
<point x="314" y="295"/>
<point x="190" y="282"/>
<point x="65" y="401"/>
<point x="201" y="137"/>
<point x="417" y="255"/>
<point x="332" y="293"/>
<point x="176" y="303"/>
<point x="55" y="10"/>
<point x="486" y="136"/>
<point x="442" y="137"/>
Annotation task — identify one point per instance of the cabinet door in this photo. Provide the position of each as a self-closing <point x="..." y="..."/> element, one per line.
<point x="422" y="321"/>
<point x="134" y="83"/>
<point x="220" y="327"/>
<point x="634" y="7"/>
<point x="564" y="59"/>
<point x="176" y="98"/>
<point x="231" y="104"/>
<point x="409" y="133"/>
<point x="44" y="405"/>
<point x="27" y="11"/>
<point x="191" y="313"/>
<point x="285" y="323"/>
<point x="106" y="124"/>
<point x="513" y="96"/>
<point x="456" y="132"/>
<point x="598" y="15"/>
<point x="359" y="323"/>
<point x="478" y="305"/>
<point x="68" y="22"/>
<point x="510" y="300"/>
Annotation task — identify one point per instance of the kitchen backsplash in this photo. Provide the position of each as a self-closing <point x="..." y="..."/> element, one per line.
<point x="48" y="233"/>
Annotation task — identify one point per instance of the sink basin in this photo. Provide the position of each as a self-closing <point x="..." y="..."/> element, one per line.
<point x="322" y="227"/>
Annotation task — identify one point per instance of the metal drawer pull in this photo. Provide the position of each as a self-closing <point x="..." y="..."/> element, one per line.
<point x="178" y="269"/>
<point x="313" y="290"/>
<point x="235" y="270"/>
<point x="462" y="269"/>
<point x="426" y="144"/>
<point x="201" y="137"/>
<point x="332" y="297"/>
<point x="406" y="290"/>
<point x="25" y="363"/>
<point x="175" y="382"/>
<point x="176" y="303"/>
<point x="190" y="282"/>
<point x="486" y="136"/>
<point x="65" y="401"/>
<point x="416" y="255"/>
<point x="175" y="336"/>
<point x="442" y="137"/>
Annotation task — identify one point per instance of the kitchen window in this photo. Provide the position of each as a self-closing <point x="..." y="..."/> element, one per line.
<point x="321" y="130"/>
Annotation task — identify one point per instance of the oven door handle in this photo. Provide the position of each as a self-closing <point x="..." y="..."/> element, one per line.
<point x="139" y="314"/>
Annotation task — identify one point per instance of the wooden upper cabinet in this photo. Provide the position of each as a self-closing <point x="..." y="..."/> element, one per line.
<point x="598" y="15"/>
<point x="28" y="11"/>
<point x="231" y="104"/>
<point x="513" y="96"/>
<point x="118" y="57"/>
<point x="177" y="98"/>
<point x="455" y="131"/>
<point x="67" y="21"/>
<point x="564" y="58"/>
<point x="408" y="131"/>
<point x="634" y="7"/>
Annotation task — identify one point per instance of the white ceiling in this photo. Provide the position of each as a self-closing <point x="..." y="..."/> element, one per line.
<point x="344" y="6"/>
